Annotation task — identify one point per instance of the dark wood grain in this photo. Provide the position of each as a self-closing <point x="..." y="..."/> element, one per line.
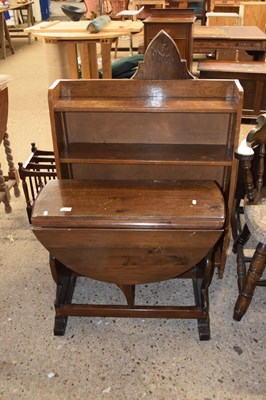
<point x="146" y="168"/>
<point x="252" y="76"/>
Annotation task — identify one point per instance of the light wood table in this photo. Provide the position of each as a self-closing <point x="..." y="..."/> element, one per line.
<point x="70" y="40"/>
<point x="5" y="32"/>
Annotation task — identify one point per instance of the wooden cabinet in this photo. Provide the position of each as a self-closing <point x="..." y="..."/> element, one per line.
<point x="166" y="130"/>
<point x="226" y="5"/>
<point x="252" y="77"/>
<point x="178" y="23"/>
<point x="146" y="184"/>
<point x="253" y="13"/>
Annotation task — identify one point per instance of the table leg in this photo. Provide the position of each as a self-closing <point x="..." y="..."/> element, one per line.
<point x="93" y="60"/>
<point x="12" y="171"/>
<point x="85" y="60"/>
<point x="2" y="35"/>
<point x="106" y="45"/>
<point x="57" y="60"/>
<point x="73" y="60"/>
<point x="8" y="38"/>
<point x="4" y="192"/>
<point x="30" y="20"/>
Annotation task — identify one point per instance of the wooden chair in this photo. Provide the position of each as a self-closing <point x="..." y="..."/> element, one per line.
<point x="237" y="220"/>
<point x="35" y="173"/>
<point x="255" y="218"/>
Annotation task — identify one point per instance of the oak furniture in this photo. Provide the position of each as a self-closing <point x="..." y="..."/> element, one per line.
<point x="222" y="18"/>
<point x="178" y="23"/>
<point x="250" y="39"/>
<point x="255" y="218"/>
<point x="11" y="180"/>
<point x="253" y="13"/>
<point x="226" y="5"/>
<point x="146" y="178"/>
<point x="252" y="76"/>
<point x="66" y="40"/>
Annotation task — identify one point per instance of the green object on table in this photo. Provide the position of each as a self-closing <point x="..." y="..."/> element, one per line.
<point x="98" y="23"/>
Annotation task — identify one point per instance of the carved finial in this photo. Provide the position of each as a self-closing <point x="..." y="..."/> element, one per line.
<point x="257" y="135"/>
<point x="162" y="61"/>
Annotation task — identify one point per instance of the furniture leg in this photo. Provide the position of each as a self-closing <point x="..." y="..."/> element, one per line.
<point x="7" y="37"/>
<point x="201" y="285"/>
<point x="12" y="171"/>
<point x="254" y="274"/>
<point x="26" y="194"/>
<point x="73" y="60"/>
<point x="4" y="192"/>
<point x="57" y="60"/>
<point x="241" y="267"/>
<point x="106" y="58"/>
<point x="65" y="280"/>
<point x="242" y="238"/>
<point x="93" y="60"/>
<point x="129" y="292"/>
<point x="2" y="35"/>
<point x="85" y="60"/>
<point x="30" y="20"/>
<point x="235" y="220"/>
<point x="131" y="44"/>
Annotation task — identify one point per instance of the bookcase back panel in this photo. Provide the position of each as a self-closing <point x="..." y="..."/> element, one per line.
<point x="130" y="127"/>
<point x="147" y="172"/>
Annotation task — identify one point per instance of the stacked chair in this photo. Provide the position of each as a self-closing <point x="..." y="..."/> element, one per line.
<point x="254" y="210"/>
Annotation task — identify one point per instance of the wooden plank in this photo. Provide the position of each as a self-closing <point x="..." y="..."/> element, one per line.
<point x="81" y="26"/>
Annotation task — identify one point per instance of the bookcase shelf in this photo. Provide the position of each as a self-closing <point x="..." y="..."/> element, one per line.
<point x="138" y="153"/>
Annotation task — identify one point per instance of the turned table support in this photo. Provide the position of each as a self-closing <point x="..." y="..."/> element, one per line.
<point x="12" y="179"/>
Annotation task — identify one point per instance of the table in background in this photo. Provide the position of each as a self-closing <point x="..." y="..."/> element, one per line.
<point x="17" y="7"/>
<point x="4" y="34"/>
<point x="5" y="31"/>
<point x="209" y="39"/>
<point x="72" y="40"/>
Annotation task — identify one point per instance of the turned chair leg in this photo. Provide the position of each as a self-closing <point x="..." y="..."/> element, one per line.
<point x="235" y="219"/>
<point x="238" y="248"/>
<point x="242" y="238"/>
<point x="254" y="274"/>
